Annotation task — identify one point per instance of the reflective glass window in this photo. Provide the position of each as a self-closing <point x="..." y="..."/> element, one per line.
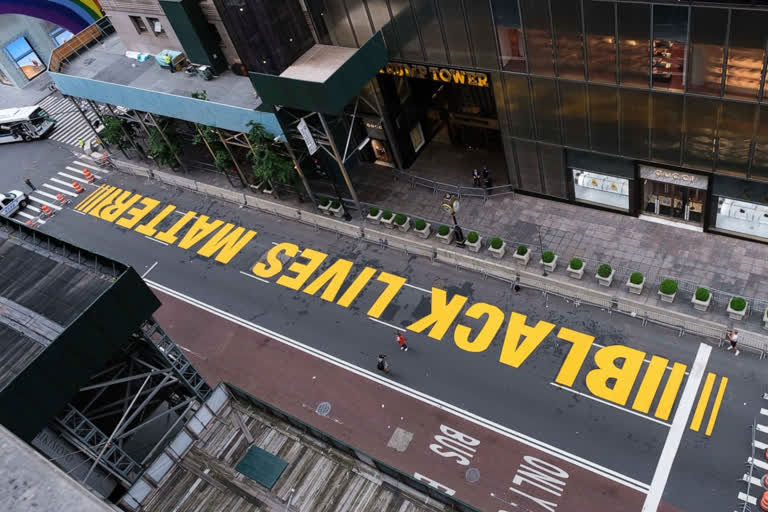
<point x="759" y="168"/>
<point x="381" y="21"/>
<point x="742" y="217"/>
<point x="360" y="22"/>
<point x="670" y="33"/>
<point x="634" y="24"/>
<point x="538" y="37"/>
<point x="402" y="19"/>
<point x="528" y="166"/>
<point x="338" y="24"/>
<point x="745" y="53"/>
<point x="455" y="32"/>
<point x="600" y="189"/>
<point x="700" y="120"/>
<point x="573" y="111"/>
<point x="61" y="35"/>
<point x="735" y="137"/>
<point x="25" y="57"/>
<point x="431" y="35"/>
<point x="566" y="19"/>
<point x="602" y="107"/>
<point x="481" y="32"/>
<point x="667" y="122"/>
<point x="600" y="23"/>
<point x="506" y="14"/>
<point x="634" y="123"/>
<point x="518" y="104"/>
<point x="545" y="105"/>
<point x="705" y="64"/>
<point x="553" y="170"/>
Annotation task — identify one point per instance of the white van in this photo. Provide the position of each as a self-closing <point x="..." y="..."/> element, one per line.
<point x="24" y="123"/>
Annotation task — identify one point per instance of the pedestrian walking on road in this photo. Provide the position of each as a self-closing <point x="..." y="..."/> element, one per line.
<point x="401" y="341"/>
<point x="382" y="364"/>
<point x="29" y="184"/>
<point x="476" y="178"/>
<point x="733" y="337"/>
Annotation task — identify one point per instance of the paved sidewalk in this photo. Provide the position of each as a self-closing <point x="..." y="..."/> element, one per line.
<point x="30" y="95"/>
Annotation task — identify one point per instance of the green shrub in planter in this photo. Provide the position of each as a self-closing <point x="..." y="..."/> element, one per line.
<point x="325" y="201"/>
<point x="547" y="256"/>
<point x="702" y="294"/>
<point x="496" y="243"/>
<point x="738" y="304"/>
<point x="400" y="219"/>
<point x="386" y="215"/>
<point x="419" y="224"/>
<point x="668" y="287"/>
<point x="443" y="230"/>
<point x="576" y="263"/>
<point x="335" y="204"/>
<point x="472" y="237"/>
<point x="522" y="250"/>
<point x="373" y="211"/>
<point x="636" y="278"/>
<point x="604" y="270"/>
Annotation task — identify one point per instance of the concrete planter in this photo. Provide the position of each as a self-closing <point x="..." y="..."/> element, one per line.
<point x="551" y="266"/>
<point x="374" y="219"/>
<point x="325" y="208"/>
<point x="737" y="315"/>
<point x="701" y="305"/>
<point x="523" y="258"/>
<point x="475" y="247"/>
<point x="576" y="274"/>
<point x="445" y="239"/>
<point x="637" y="289"/>
<point x="667" y="297"/>
<point x="605" y="281"/>
<point x="424" y="233"/>
<point x="405" y="226"/>
<point x="337" y="212"/>
<point x="388" y="223"/>
<point x="765" y="319"/>
<point x="498" y="253"/>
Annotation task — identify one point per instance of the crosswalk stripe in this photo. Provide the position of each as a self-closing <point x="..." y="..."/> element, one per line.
<point x="761" y="428"/>
<point x="749" y="499"/>
<point x="80" y="171"/>
<point x="26" y="215"/>
<point x="764" y="412"/>
<point x="33" y="198"/>
<point x="92" y="167"/>
<point x="757" y="462"/>
<point x="31" y="217"/>
<point x="73" y="178"/>
<point x="57" y="189"/>
<point x="751" y="479"/>
<point x="33" y="208"/>
<point x="760" y="445"/>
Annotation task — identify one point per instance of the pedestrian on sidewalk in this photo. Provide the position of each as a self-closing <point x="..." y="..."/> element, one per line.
<point x="29" y="184"/>
<point x="382" y="364"/>
<point x="401" y="341"/>
<point x="476" y="178"/>
<point x="733" y="337"/>
<point x="486" y="177"/>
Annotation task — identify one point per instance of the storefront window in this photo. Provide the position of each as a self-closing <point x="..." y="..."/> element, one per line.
<point x="676" y="196"/>
<point x="506" y="14"/>
<point x="528" y="166"/>
<point x="705" y="66"/>
<point x="745" y="53"/>
<point x="600" y="23"/>
<point x="566" y="18"/>
<point x="538" y="37"/>
<point x="634" y="21"/>
<point x="601" y="189"/>
<point x="25" y="57"/>
<point x="742" y="217"/>
<point x="670" y="27"/>
<point x="553" y="170"/>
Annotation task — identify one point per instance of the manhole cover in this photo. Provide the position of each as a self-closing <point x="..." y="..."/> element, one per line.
<point x="323" y="408"/>
<point x="472" y="475"/>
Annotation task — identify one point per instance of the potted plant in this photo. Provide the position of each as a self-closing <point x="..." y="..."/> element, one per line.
<point x="635" y="283"/>
<point x="445" y="234"/>
<point x="737" y="308"/>
<point x="701" y="299"/>
<point x="474" y="241"/>
<point x="765" y="319"/>
<point x="605" y="274"/>
<point x="403" y="222"/>
<point x="668" y="290"/>
<point x="336" y="208"/>
<point x="549" y="260"/>
<point x="522" y="254"/>
<point x="323" y="205"/>
<point x="576" y="268"/>
<point x="374" y="215"/>
<point x="422" y="228"/>
<point x="497" y="247"/>
<point x="387" y="218"/>
<point x="267" y="188"/>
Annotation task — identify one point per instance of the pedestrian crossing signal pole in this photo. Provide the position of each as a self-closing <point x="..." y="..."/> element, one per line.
<point x="451" y="205"/>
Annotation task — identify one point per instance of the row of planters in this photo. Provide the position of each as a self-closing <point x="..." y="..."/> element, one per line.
<point x="702" y="298"/>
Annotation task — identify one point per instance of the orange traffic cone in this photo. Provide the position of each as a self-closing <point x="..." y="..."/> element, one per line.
<point x="47" y="210"/>
<point x="31" y="223"/>
<point x="77" y="187"/>
<point x="765" y="481"/>
<point x="61" y="199"/>
<point x="764" y="501"/>
<point x="88" y="176"/>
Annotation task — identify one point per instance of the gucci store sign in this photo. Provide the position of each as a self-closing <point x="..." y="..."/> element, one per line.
<point x="447" y="75"/>
<point x="675" y="177"/>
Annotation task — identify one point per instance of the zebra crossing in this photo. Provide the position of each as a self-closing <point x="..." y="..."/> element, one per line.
<point x="756" y="467"/>
<point x="70" y="126"/>
<point x="46" y="194"/>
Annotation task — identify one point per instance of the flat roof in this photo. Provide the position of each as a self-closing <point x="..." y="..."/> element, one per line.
<point x="11" y="115"/>
<point x="318" y="63"/>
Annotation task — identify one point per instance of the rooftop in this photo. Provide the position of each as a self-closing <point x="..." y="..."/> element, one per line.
<point x="318" y="63"/>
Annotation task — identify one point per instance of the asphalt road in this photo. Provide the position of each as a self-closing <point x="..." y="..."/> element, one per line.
<point x="705" y="469"/>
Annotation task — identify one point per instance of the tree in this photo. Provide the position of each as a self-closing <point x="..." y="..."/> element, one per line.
<point x="209" y="136"/>
<point x="115" y="131"/>
<point x="157" y="148"/>
<point x="268" y="161"/>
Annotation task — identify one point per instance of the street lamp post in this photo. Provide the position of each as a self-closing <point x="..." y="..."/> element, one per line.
<point x="541" y="249"/>
<point x="330" y="176"/>
<point x="450" y="205"/>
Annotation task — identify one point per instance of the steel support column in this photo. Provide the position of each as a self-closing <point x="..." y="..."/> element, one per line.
<point x="234" y="160"/>
<point x="88" y="121"/>
<point x="300" y="172"/>
<point x="168" y="142"/>
<point x="339" y="160"/>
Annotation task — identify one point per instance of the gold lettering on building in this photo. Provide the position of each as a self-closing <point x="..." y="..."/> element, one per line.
<point x="447" y="75"/>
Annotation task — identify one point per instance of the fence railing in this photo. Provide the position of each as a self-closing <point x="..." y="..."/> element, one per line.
<point x="95" y="32"/>
<point x="438" y="187"/>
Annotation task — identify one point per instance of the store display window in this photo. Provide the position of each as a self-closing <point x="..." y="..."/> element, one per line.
<point x="601" y="189"/>
<point x="742" y="217"/>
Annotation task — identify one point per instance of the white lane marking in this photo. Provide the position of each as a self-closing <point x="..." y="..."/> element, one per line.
<point x="255" y="277"/>
<point x="81" y="213"/>
<point x="183" y="213"/>
<point x="155" y="240"/>
<point x="764" y="412"/>
<point x="385" y="323"/>
<point x="760" y="445"/>
<point x="46" y="203"/>
<point x="561" y="454"/>
<point x="33" y="208"/>
<point x="417" y="288"/>
<point x="81" y="174"/>
<point x="57" y="189"/>
<point x="761" y="428"/>
<point x="31" y="217"/>
<point x="679" y="424"/>
<point x="148" y="270"/>
<point x="749" y="499"/>
<point x="615" y="406"/>
<point x="92" y="167"/>
<point x="758" y="463"/>
<point x="274" y="243"/>
<point x="751" y="479"/>
<point x="81" y="180"/>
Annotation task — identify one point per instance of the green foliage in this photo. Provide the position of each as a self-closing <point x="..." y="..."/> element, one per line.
<point x="419" y="224"/>
<point x="115" y="130"/>
<point x="386" y="215"/>
<point x="522" y="250"/>
<point x="373" y="211"/>
<point x="335" y="204"/>
<point x="636" y="278"/>
<point x="161" y="152"/>
<point x="576" y="263"/>
<point x="472" y="237"/>
<point x="269" y="162"/>
<point x="702" y="294"/>
<point x="443" y="230"/>
<point x="738" y="304"/>
<point x="496" y="243"/>
<point x="668" y="286"/>
<point x="604" y="270"/>
<point x="547" y="256"/>
<point x="400" y="219"/>
<point x="325" y="202"/>
<point x="200" y="95"/>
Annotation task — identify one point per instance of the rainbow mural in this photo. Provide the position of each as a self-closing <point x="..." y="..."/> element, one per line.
<point x="73" y="15"/>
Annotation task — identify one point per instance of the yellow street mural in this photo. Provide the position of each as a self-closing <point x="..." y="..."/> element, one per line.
<point x="210" y="238"/>
<point x="615" y="368"/>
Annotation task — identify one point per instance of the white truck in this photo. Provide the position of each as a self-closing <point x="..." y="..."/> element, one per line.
<point x="12" y="202"/>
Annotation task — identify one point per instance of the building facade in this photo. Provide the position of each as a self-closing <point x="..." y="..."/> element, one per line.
<point x="26" y="44"/>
